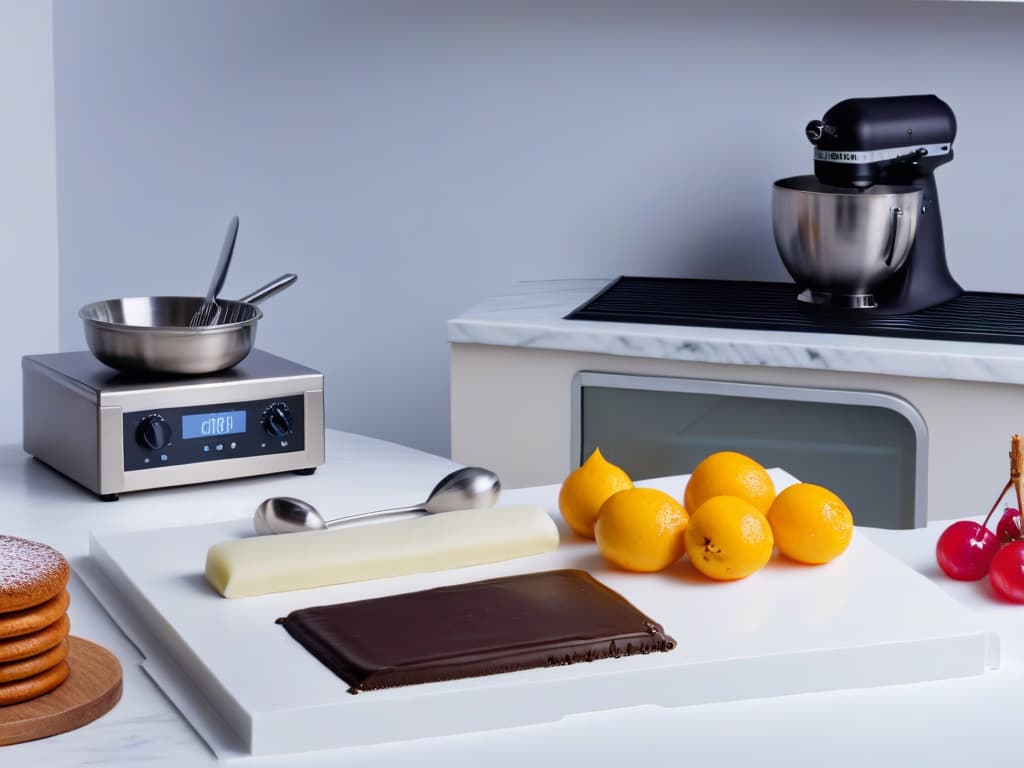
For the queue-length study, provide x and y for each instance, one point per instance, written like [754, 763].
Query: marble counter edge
[530, 315]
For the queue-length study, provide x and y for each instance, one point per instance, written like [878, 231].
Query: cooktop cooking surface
[85, 370]
[973, 316]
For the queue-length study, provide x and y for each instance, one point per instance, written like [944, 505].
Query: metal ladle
[466, 488]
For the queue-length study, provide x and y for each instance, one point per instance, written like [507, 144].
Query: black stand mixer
[862, 239]
[857, 234]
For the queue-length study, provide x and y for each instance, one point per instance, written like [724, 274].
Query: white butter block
[265, 564]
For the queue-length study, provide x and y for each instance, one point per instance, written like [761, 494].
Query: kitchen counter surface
[530, 315]
[951, 722]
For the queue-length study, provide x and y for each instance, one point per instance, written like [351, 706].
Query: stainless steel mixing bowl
[840, 244]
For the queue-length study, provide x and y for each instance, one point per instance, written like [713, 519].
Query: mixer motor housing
[898, 140]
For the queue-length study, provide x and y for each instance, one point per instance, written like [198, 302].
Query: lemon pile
[729, 524]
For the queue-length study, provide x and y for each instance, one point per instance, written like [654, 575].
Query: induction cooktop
[974, 316]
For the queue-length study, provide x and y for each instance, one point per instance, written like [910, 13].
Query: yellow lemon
[729, 474]
[728, 538]
[586, 489]
[641, 529]
[811, 524]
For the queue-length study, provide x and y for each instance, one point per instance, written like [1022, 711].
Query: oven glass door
[868, 447]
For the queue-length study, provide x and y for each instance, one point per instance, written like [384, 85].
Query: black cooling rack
[973, 316]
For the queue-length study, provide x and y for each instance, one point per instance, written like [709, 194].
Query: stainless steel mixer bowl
[840, 244]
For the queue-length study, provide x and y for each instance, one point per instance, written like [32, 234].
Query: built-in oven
[871, 448]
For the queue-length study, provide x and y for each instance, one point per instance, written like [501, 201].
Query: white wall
[408, 158]
[28, 197]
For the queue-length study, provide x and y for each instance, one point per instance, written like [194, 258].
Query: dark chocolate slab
[544, 619]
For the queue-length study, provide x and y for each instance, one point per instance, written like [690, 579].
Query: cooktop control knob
[153, 433]
[277, 420]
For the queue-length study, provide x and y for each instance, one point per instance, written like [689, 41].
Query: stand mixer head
[891, 140]
[865, 231]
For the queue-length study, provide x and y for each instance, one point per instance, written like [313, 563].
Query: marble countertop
[530, 315]
[950, 722]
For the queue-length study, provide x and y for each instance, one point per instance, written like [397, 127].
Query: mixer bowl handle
[894, 225]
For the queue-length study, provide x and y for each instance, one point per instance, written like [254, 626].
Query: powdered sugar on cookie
[29, 570]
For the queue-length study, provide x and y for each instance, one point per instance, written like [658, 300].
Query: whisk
[209, 311]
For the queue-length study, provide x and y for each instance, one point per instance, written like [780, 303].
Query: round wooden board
[91, 690]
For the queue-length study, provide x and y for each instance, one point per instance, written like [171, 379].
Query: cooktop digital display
[212, 424]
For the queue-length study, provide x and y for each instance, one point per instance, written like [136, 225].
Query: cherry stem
[1016, 467]
[1001, 494]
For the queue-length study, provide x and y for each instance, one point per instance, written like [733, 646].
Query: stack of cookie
[33, 619]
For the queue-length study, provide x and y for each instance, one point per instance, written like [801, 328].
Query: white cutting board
[864, 620]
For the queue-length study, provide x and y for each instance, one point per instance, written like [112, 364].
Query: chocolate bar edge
[323, 653]
[654, 641]
[538, 658]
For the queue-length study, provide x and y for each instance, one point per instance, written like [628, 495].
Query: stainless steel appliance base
[117, 496]
[114, 433]
[838, 300]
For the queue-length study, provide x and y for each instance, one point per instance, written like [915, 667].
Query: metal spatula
[209, 312]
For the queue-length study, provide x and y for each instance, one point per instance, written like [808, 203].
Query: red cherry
[1009, 526]
[965, 549]
[1006, 572]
